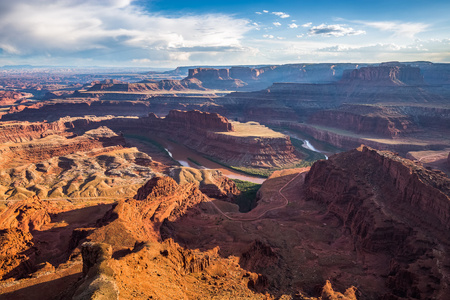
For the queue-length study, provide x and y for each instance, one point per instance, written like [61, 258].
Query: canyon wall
[197, 120]
[348, 142]
[162, 85]
[393, 207]
[385, 74]
[215, 78]
[18, 132]
[372, 120]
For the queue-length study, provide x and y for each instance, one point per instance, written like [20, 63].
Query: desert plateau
[231, 150]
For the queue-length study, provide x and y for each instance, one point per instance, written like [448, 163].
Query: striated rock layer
[374, 120]
[39, 149]
[386, 74]
[163, 85]
[197, 120]
[26, 131]
[395, 209]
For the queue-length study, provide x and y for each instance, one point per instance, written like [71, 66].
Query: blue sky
[175, 33]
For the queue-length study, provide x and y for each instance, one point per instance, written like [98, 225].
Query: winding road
[286, 202]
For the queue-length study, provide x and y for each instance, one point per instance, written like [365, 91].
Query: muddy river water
[186, 157]
[189, 158]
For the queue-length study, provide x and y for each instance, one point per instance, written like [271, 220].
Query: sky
[167, 34]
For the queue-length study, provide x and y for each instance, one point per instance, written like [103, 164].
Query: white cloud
[407, 29]
[280, 38]
[265, 11]
[300, 35]
[258, 12]
[336, 30]
[306, 25]
[293, 25]
[276, 24]
[109, 29]
[268, 36]
[281, 14]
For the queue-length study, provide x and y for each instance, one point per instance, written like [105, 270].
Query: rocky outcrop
[329, 294]
[12, 97]
[373, 120]
[168, 271]
[56, 145]
[387, 74]
[210, 182]
[17, 222]
[98, 282]
[18, 132]
[198, 121]
[163, 85]
[393, 207]
[215, 78]
[139, 219]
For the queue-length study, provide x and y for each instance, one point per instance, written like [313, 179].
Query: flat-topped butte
[252, 129]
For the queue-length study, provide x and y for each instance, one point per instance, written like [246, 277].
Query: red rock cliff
[26, 131]
[159, 199]
[16, 225]
[196, 119]
[385, 74]
[215, 78]
[392, 207]
[380, 121]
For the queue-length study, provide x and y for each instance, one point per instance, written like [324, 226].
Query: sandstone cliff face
[385, 74]
[163, 85]
[98, 282]
[215, 78]
[392, 207]
[55, 145]
[247, 151]
[18, 132]
[247, 78]
[197, 120]
[373, 120]
[348, 142]
[16, 223]
[159, 199]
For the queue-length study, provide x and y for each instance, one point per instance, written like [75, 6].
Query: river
[188, 158]
[310, 145]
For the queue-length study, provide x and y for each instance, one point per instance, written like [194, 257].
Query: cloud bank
[115, 28]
